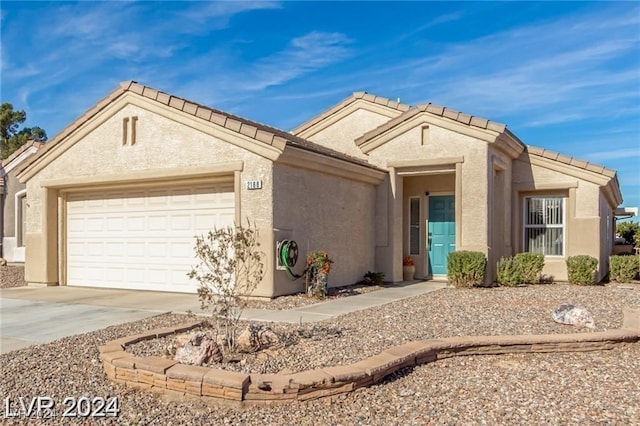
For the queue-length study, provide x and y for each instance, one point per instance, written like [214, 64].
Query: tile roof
[572, 161]
[434, 109]
[379, 100]
[258, 131]
[23, 148]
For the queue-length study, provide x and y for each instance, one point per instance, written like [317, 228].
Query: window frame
[20, 218]
[412, 226]
[526, 225]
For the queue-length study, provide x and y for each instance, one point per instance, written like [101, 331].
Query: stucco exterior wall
[444, 144]
[583, 206]
[161, 144]
[342, 134]
[607, 234]
[328, 213]
[13, 186]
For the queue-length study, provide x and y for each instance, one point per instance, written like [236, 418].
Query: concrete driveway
[32, 315]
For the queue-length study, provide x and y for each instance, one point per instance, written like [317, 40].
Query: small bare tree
[231, 267]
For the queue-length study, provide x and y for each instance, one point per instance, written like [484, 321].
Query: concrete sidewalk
[32, 315]
[344, 305]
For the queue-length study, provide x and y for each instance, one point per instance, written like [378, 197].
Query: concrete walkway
[32, 315]
[344, 305]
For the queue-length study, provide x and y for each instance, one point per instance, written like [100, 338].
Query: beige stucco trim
[301, 158]
[612, 193]
[352, 107]
[509, 144]
[428, 162]
[569, 170]
[260, 148]
[62, 238]
[536, 186]
[237, 190]
[421, 119]
[146, 177]
[43, 263]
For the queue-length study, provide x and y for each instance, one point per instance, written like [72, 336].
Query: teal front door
[442, 232]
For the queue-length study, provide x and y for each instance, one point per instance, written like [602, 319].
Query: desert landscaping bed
[568, 388]
[12, 276]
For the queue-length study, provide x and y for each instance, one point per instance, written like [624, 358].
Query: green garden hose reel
[288, 257]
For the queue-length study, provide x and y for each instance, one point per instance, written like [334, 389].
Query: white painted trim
[19, 159]
[11, 252]
[420, 207]
[564, 223]
[18, 214]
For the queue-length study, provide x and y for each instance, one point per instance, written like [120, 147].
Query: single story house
[116, 198]
[13, 203]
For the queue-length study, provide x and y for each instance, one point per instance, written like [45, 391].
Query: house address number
[254, 184]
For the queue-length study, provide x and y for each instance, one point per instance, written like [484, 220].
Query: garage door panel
[182, 251]
[180, 222]
[141, 239]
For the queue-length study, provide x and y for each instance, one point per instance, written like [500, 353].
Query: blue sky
[562, 75]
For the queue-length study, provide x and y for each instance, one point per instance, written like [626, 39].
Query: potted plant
[317, 276]
[408, 269]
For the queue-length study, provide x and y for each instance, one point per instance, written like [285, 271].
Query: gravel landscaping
[571, 388]
[12, 276]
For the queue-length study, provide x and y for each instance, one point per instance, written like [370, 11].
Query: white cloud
[217, 14]
[547, 72]
[303, 55]
[613, 154]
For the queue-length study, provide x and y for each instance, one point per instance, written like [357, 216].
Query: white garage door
[141, 239]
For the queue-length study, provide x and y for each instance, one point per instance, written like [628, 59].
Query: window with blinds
[414, 226]
[544, 225]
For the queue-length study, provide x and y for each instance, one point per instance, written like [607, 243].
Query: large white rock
[573, 315]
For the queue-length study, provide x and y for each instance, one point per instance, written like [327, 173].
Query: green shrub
[630, 231]
[582, 269]
[623, 269]
[508, 272]
[530, 266]
[466, 268]
[373, 278]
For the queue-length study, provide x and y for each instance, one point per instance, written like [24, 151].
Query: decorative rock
[406, 392]
[256, 337]
[197, 348]
[573, 315]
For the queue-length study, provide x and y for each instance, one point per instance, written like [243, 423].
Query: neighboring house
[116, 198]
[13, 203]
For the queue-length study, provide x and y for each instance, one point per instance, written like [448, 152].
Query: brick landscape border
[170, 378]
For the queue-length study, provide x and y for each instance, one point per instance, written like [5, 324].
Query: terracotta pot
[408, 272]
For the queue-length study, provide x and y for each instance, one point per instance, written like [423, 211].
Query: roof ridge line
[358, 95]
[438, 110]
[253, 129]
